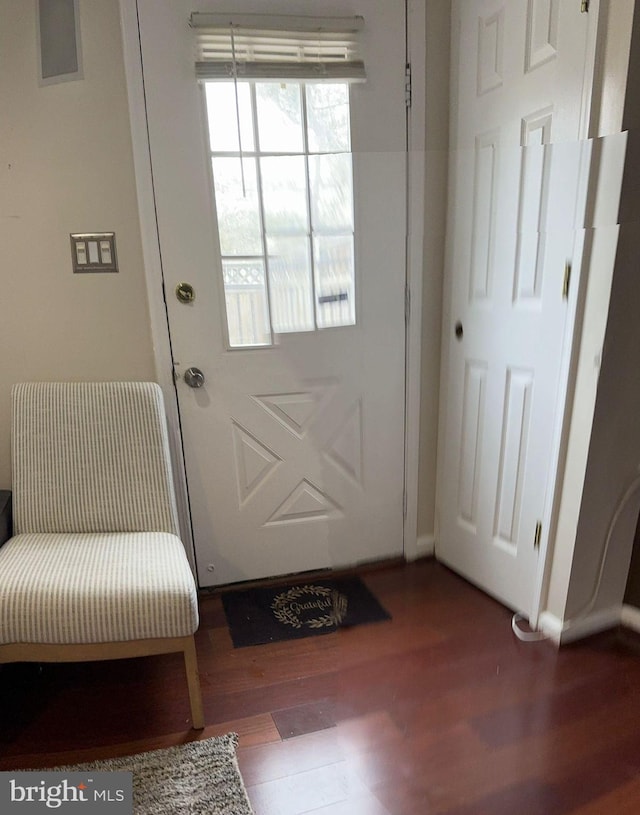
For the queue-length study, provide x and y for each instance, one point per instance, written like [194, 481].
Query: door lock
[185, 293]
[194, 377]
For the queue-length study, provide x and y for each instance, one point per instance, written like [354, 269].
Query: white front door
[294, 444]
[517, 120]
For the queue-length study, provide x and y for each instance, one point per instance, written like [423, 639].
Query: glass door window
[283, 185]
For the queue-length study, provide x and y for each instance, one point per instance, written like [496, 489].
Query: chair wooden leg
[193, 681]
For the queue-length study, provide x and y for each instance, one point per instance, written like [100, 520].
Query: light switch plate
[94, 252]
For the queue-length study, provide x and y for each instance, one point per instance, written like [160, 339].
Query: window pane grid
[302, 203]
[265, 255]
[305, 132]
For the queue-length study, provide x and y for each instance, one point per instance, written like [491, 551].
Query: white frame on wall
[62, 77]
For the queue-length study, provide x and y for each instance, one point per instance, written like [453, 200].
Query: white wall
[614, 454]
[66, 166]
[603, 450]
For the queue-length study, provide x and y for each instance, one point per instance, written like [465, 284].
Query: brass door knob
[194, 377]
[185, 293]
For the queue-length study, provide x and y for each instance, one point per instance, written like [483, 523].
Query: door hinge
[584, 6]
[407, 84]
[407, 304]
[404, 504]
[537, 536]
[566, 282]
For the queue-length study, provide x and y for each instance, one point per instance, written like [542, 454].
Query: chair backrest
[91, 457]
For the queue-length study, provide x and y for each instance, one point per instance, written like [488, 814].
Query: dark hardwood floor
[440, 710]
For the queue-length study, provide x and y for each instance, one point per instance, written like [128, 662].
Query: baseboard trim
[425, 546]
[630, 618]
[562, 633]
[551, 626]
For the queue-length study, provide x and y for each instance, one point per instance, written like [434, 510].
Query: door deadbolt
[194, 377]
[185, 293]
[459, 330]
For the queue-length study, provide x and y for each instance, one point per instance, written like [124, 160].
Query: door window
[283, 186]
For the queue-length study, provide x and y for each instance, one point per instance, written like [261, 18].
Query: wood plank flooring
[440, 710]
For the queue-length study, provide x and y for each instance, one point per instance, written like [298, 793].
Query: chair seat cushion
[95, 587]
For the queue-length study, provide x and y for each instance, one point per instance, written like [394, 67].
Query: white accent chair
[95, 568]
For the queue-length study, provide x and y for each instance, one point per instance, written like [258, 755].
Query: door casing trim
[415, 12]
[152, 260]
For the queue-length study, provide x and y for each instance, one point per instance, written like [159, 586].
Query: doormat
[262, 615]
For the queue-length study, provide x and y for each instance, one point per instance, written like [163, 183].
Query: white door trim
[155, 283]
[152, 260]
[571, 340]
[416, 129]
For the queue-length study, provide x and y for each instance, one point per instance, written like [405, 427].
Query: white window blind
[278, 47]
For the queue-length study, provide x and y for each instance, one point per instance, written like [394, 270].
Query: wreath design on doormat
[289, 606]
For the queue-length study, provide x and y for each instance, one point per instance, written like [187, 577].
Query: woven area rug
[268, 614]
[198, 777]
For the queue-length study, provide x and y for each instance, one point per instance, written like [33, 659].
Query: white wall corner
[562, 632]
[425, 547]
